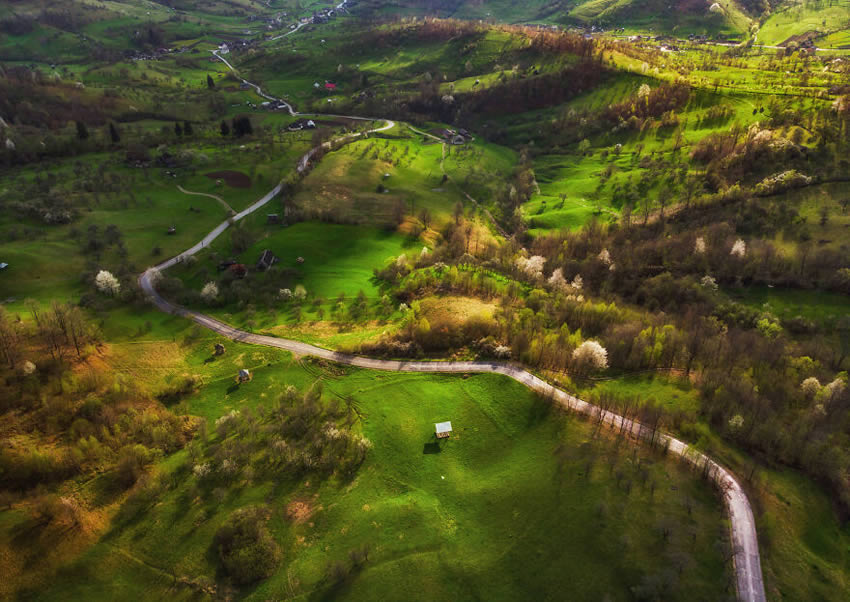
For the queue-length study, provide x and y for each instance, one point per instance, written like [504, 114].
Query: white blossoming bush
[590, 356]
[605, 257]
[739, 249]
[810, 387]
[228, 467]
[300, 292]
[709, 282]
[284, 294]
[107, 283]
[834, 389]
[736, 422]
[557, 280]
[502, 352]
[699, 246]
[210, 292]
[577, 282]
[201, 470]
[532, 266]
[644, 91]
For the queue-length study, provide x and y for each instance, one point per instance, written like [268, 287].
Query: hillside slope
[732, 18]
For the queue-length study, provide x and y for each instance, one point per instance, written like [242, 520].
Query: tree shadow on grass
[540, 409]
[432, 447]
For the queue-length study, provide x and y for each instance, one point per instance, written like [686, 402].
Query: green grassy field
[797, 17]
[337, 258]
[821, 307]
[492, 514]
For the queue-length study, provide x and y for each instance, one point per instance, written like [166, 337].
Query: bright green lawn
[488, 517]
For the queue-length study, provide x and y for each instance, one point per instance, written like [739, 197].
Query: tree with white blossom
[739, 249]
[810, 387]
[532, 266]
[557, 280]
[577, 282]
[107, 283]
[699, 246]
[590, 356]
[210, 292]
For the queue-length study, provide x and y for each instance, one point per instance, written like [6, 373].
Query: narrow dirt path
[748, 574]
[212, 196]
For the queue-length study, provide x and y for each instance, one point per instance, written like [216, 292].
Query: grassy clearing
[821, 307]
[797, 17]
[365, 181]
[337, 258]
[490, 515]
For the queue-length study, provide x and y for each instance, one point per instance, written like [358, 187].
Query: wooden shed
[443, 430]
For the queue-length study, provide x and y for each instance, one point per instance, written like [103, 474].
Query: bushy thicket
[92, 422]
[245, 547]
[299, 434]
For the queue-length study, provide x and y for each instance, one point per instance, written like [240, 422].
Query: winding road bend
[748, 574]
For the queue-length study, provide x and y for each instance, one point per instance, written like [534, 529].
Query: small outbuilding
[172, 230]
[272, 218]
[219, 349]
[267, 259]
[443, 430]
[3, 265]
[243, 376]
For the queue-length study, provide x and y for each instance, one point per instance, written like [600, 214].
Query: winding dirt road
[750, 585]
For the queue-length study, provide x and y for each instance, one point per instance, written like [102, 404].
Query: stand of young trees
[91, 424]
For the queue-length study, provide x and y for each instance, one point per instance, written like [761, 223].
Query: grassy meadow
[519, 500]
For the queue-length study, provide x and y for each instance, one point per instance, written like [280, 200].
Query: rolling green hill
[731, 19]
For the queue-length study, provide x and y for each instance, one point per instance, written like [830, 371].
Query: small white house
[443, 429]
[244, 376]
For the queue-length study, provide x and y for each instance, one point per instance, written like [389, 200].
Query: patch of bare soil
[299, 511]
[234, 179]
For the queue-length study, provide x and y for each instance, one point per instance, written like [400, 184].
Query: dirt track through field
[212, 196]
[748, 574]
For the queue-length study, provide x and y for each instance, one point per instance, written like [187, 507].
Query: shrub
[590, 356]
[246, 549]
[210, 292]
[107, 283]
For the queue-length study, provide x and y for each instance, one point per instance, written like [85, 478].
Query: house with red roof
[330, 86]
